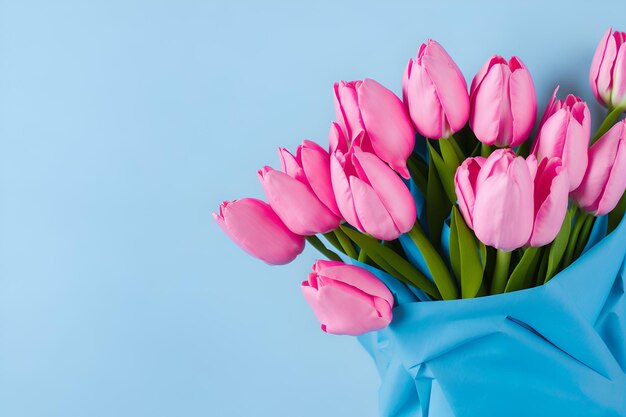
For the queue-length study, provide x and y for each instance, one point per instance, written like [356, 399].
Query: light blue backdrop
[123, 124]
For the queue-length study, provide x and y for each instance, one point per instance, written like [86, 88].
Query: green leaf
[579, 221]
[452, 154]
[523, 149]
[523, 276]
[455, 255]
[617, 214]
[332, 239]
[457, 148]
[446, 175]
[419, 172]
[558, 246]
[483, 255]
[346, 244]
[437, 267]
[437, 206]
[471, 264]
[385, 256]
[543, 267]
[607, 123]
[583, 236]
[317, 244]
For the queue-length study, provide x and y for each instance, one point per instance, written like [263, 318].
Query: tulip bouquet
[483, 271]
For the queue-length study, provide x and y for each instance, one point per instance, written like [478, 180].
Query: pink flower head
[503, 102]
[435, 92]
[347, 299]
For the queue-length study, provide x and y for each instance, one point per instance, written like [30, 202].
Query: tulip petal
[372, 214]
[523, 102]
[597, 62]
[347, 109]
[291, 165]
[316, 166]
[605, 74]
[296, 205]
[616, 184]
[465, 187]
[602, 166]
[425, 108]
[336, 139]
[393, 193]
[354, 276]
[388, 125]
[488, 98]
[551, 199]
[342, 191]
[618, 92]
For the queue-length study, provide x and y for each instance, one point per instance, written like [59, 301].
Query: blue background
[123, 124]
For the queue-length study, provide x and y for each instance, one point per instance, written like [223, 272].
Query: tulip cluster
[475, 210]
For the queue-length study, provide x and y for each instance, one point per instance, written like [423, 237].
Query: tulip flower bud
[370, 196]
[510, 202]
[302, 195]
[502, 216]
[255, 228]
[374, 119]
[605, 180]
[503, 102]
[347, 299]
[608, 70]
[435, 92]
[564, 132]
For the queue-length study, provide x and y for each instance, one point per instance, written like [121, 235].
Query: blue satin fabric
[554, 350]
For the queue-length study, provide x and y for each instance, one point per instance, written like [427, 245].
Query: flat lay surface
[122, 127]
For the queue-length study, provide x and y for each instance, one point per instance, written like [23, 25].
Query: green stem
[573, 237]
[583, 237]
[457, 149]
[524, 149]
[317, 244]
[332, 239]
[363, 256]
[607, 123]
[501, 272]
[485, 150]
[446, 284]
[346, 244]
[417, 172]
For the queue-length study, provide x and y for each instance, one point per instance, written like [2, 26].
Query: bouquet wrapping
[554, 350]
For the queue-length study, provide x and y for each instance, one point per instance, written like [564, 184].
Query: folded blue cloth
[554, 350]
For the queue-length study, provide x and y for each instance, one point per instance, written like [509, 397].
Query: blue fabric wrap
[554, 350]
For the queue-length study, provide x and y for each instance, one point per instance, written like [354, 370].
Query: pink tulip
[510, 202]
[564, 132]
[302, 195]
[605, 179]
[370, 195]
[551, 190]
[255, 228]
[374, 119]
[503, 102]
[608, 70]
[347, 299]
[435, 92]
